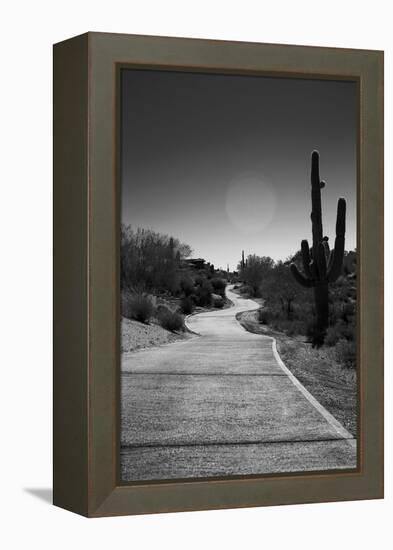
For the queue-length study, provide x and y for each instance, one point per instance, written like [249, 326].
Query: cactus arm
[300, 278]
[337, 262]
[339, 243]
[325, 243]
[313, 270]
[330, 262]
[316, 210]
[306, 259]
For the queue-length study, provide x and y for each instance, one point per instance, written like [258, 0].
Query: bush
[194, 299]
[218, 301]
[339, 331]
[137, 306]
[199, 280]
[345, 352]
[295, 327]
[160, 308]
[247, 289]
[347, 311]
[264, 316]
[187, 305]
[187, 286]
[204, 294]
[332, 335]
[150, 260]
[170, 320]
[219, 286]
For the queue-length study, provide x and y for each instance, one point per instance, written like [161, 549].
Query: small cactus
[321, 266]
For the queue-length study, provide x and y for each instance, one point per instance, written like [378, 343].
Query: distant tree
[150, 260]
[255, 270]
[281, 288]
[219, 286]
[184, 249]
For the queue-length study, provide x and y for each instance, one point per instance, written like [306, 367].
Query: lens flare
[250, 203]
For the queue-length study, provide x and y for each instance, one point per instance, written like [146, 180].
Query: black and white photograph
[238, 275]
[197, 245]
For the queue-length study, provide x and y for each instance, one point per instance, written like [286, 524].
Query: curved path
[222, 403]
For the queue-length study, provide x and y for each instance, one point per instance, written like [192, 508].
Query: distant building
[196, 263]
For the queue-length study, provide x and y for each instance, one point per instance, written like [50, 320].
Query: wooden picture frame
[86, 268]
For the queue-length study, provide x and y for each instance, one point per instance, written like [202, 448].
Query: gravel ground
[135, 335]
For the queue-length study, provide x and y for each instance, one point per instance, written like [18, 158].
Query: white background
[28, 29]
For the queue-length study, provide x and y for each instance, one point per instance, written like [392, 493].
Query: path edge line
[343, 432]
[186, 323]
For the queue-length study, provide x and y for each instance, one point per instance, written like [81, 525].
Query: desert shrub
[291, 327]
[187, 286]
[218, 301]
[194, 298]
[204, 294]
[172, 284]
[332, 335]
[342, 310]
[296, 326]
[339, 331]
[219, 286]
[199, 280]
[170, 320]
[347, 311]
[247, 289]
[345, 352]
[137, 306]
[264, 316]
[159, 309]
[149, 261]
[187, 305]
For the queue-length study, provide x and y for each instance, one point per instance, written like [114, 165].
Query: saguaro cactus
[321, 266]
[243, 263]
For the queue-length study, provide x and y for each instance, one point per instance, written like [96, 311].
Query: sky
[222, 162]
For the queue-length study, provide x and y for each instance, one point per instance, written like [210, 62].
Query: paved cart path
[222, 403]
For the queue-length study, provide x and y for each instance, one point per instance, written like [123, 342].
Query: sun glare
[250, 203]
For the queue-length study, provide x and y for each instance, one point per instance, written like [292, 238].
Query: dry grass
[330, 382]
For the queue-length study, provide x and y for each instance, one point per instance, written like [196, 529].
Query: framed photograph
[218, 274]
